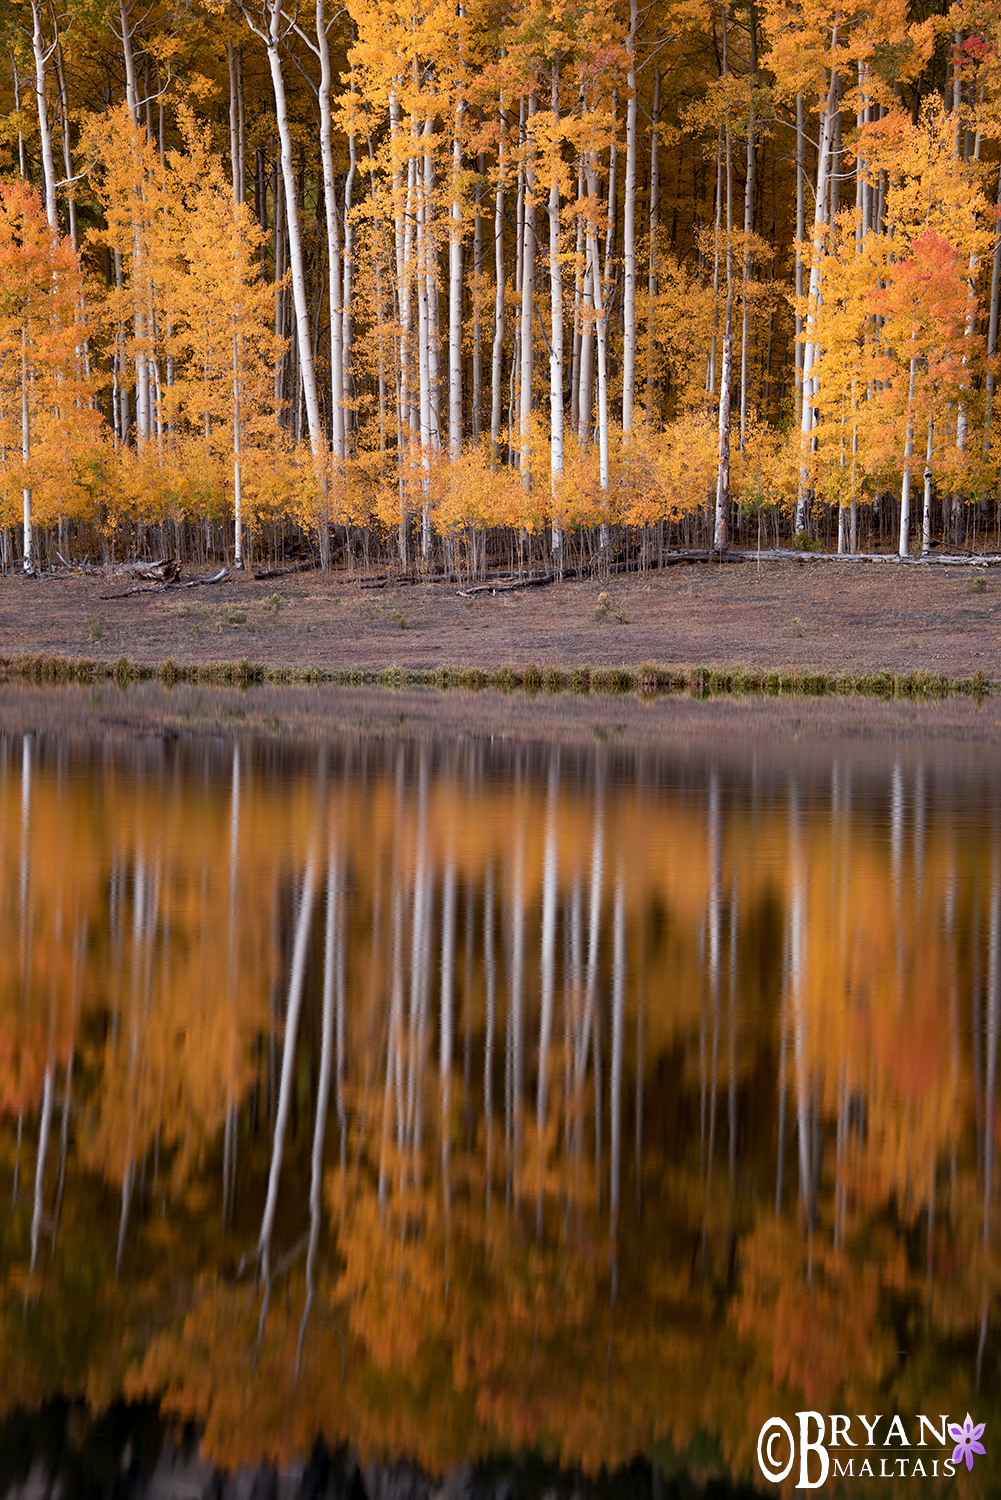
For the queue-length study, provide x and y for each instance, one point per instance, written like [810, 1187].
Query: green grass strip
[648, 681]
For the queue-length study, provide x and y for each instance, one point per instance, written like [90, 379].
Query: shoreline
[646, 681]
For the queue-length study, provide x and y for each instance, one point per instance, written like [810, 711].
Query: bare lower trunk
[905, 488]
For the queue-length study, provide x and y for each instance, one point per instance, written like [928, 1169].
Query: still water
[448, 1100]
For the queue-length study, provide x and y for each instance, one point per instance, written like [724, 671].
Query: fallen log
[299, 567]
[934, 559]
[536, 581]
[128, 593]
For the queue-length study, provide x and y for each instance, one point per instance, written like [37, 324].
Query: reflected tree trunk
[322, 1098]
[285, 1086]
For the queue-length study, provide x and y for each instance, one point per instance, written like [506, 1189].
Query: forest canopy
[454, 284]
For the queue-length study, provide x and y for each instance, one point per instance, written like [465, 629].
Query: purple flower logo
[967, 1440]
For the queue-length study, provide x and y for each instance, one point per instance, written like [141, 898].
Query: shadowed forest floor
[786, 613]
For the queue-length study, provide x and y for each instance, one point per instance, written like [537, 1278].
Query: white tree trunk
[455, 295]
[346, 300]
[527, 301]
[652, 259]
[629, 237]
[307, 375]
[808, 417]
[497, 352]
[288, 1073]
[423, 357]
[926, 518]
[748, 231]
[556, 342]
[431, 267]
[905, 488]
[333, 255]
[992, 328]
[600, 339]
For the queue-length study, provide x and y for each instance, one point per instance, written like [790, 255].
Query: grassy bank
[645, 681]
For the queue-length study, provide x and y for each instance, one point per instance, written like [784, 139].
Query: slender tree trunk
[128, 57]
[477, 412]
[431, 263]
[905, 488]
[600, 329]
[629, 236]
[333, 933]
[293, 1008]
[307, 375]
[721, 528]
[44, 1132]
[317, 440]
[800, 237]
[654, 226]
[455, 295]
[347, 303]
[579, 277]
[42, 54]
[528, 300]
[748, 227]
[67, 150]
[711, 368]
[926, 519]
[497, 352]
[234, 115]
[27, 535]
[809, 416]
[401, 233]
[556, 345]
[22, 164]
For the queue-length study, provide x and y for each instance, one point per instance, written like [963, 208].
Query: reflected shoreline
[105, 711]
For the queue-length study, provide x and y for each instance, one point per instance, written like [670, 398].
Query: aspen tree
[720, 526]
[748, 221]
[497, 350]
[268, 27]
[629, 236]
[42, 53]
[821, 212]
[654, 217]
[527, 296]
[556, 318]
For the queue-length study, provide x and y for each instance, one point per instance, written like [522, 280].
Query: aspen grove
[446, 287]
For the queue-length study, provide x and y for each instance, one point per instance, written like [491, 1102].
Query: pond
[376, 1110]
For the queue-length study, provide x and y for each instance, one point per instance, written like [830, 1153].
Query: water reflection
[447, 1100]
